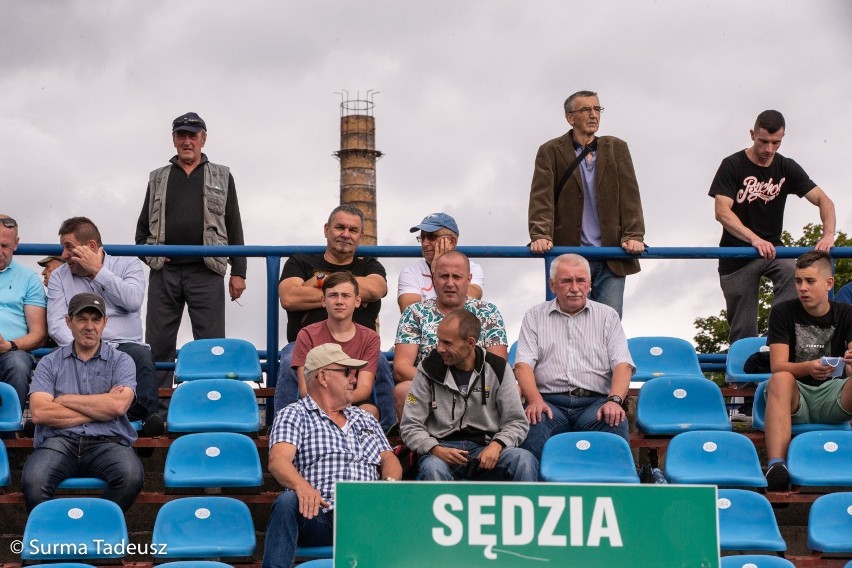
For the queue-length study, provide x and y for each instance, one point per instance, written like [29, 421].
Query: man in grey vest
[189, 202]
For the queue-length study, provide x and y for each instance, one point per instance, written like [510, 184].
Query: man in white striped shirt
[572, 362]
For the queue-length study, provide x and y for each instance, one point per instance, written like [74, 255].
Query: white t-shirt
[417, 279]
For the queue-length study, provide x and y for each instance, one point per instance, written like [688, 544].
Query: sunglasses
[345, 370]
[8, 222]
[187, 122]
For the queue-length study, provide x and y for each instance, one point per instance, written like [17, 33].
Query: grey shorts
[821, 404]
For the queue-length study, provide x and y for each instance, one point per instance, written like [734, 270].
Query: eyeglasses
[430, 237]
[345, 370]
[8, 222]
[188, 122]
[587, 110]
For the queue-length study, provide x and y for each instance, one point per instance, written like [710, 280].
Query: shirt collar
[554, 307]
[69, 351]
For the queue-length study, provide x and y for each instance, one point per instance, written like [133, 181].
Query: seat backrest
[663, 356]
[5, 473]
[759, 416]
[738, 353]
[821, 459]
[671, 405]
[10, 410]
[830, 523]
[747, 522]
[214, 405]
[755, 561]
[721, 458]
[513, 352]
[594, 457]
[216, 459]
[318, 563]
[204, 527]
[75, 528]
[221, 358]
[194, 564]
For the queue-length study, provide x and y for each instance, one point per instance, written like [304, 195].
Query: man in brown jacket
[599, 203]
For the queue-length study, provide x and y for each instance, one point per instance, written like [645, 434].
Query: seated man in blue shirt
[120, 281]
[79, 396]
[316, 441]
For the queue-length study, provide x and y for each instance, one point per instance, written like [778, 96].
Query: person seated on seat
[416, 333]
[120, 281]
[572, 362]
[314, 442]
[340, 299]
[48, 265]
[300, 292]
[439, 233]
[79, 398]
[463, 414]
[804, 387]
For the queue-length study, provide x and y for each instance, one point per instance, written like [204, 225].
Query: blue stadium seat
[324, 553]
[747, 522]
[755, 561]
[830, 523]
[193, 564]
[92, 483]
[662, 357]
[715, 457]
[223, 358]
[759, 416]
[320, 563]
[821, 459]
[513, 351]
[61, 565]
[10, 410]
[213, 405]
[5, 474]
[204, 527]
[672, 405]
[67, 529]
[739, 351]
[216, 459]
[593, 457]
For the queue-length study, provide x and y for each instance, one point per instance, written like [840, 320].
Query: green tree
[712, 331]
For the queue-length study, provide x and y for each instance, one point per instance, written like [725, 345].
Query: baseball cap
[86, 300]
[46, 260]
[190, 122]
[328, 354]
[435, 221]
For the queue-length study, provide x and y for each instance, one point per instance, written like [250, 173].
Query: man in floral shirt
[416, 335]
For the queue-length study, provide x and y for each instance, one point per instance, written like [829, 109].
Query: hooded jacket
[435, 409]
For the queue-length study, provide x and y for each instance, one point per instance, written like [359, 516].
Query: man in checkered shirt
[315, 442]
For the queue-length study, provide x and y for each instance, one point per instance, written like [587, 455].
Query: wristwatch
[616, 399]
[320, 279]
[14, 346]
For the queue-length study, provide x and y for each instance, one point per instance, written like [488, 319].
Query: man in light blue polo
[79, 399]
[23, 325]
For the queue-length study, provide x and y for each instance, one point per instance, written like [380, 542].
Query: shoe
[29, 429]
[392, 431]
[777, 477]
[153, 426]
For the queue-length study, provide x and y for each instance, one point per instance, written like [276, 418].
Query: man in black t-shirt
[750, 190]
[300, 292]
[810, 352]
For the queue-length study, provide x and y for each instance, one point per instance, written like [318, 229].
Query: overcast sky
[468, 91]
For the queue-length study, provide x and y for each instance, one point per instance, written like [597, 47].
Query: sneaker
[392, 431]
[777, 477]
[153, 426]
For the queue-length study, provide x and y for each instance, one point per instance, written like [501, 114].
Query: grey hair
[570, 100]
[349, 209]
[574, 259]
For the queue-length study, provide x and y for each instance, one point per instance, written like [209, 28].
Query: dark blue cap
[189, 122]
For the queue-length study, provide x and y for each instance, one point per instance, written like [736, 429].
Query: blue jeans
[287, 387]
[287, 529]
[607, 288]
[16, 368]
[147, 384]
[570, 414]
[514, 464]
[61, 457]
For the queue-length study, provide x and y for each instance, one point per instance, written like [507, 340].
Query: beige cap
[329, 354]
[46, 260]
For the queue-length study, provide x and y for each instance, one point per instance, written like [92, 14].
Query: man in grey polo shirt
[572, 362]
[79, 398]
[120, 281]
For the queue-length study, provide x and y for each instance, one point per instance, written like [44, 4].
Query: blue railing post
[548, 260]
[272, 265]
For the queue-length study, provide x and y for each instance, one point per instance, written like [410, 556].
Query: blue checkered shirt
[324, 453]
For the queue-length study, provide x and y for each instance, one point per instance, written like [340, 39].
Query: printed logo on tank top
[813, 342]
[753, 189]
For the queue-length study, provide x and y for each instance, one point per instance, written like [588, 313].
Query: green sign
[516, 525]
